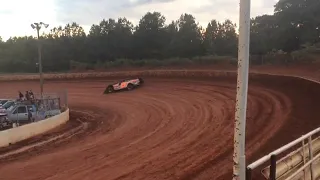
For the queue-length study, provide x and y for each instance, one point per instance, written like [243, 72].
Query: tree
[110, 39]
[171, 32]
[227, 39]
[264, 34]
[210, 37]
[188, 40]
[299, 21]
[149, 37]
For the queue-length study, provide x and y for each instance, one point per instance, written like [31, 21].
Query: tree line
[294, 24]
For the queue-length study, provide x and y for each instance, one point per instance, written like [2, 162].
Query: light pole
[239, 158]
[38, 26]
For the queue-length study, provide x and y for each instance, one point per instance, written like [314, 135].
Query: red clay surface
[167, 129]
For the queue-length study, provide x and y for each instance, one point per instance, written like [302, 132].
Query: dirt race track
[170, 128]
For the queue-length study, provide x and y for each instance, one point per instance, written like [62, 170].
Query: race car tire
[130, 87]
[141, 81]
[109, 90]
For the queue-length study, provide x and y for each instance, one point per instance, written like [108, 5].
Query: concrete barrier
[15, 135]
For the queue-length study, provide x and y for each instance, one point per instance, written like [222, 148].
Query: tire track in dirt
[167, 129]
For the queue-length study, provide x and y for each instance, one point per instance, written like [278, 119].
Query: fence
[50, 104]
[53, 100]
[302, 162]
[60, 95]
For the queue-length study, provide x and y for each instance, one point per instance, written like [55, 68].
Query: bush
[170, 62]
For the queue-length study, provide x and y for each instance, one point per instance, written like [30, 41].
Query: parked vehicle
[8, 104]
[4, 121]
[2, 101]
[2, 110]
[21, 113]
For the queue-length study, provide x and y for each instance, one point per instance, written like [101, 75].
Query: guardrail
[292, 165]
[20, 133]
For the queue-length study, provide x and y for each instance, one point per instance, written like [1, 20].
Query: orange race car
[127, 84]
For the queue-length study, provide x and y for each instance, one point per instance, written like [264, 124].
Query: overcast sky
[17, 15]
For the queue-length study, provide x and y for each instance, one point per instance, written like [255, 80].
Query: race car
[127, 84]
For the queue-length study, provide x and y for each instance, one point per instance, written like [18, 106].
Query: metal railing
[62, 95]
[289, 164]
[50, 104]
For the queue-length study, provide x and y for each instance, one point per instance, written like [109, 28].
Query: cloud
[141, 2]
[5, 12]
[17, 15]
[88, 12]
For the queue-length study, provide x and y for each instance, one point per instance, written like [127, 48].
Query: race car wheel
[141, 81]
[130, 87]
[109, 89]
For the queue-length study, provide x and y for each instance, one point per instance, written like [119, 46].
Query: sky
[16, 16]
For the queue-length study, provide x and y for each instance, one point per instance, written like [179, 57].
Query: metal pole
[248, 174]
[273, 167]
[40, 63]
[310, 157]
[304, 158]
[66, 96]
[239, 164]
